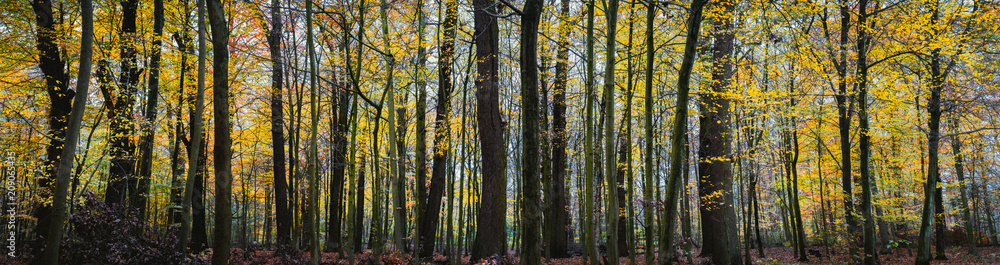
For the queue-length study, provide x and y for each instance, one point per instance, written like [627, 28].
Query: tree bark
[557, 195]
[531, 211]
[719, 229]
[432, 212]
[60, 98]
[122, 182]
[195, 154]
[282, 213]
[491, 230]
[223, 142]
[65, 168]
[678, 130]
[147, 130]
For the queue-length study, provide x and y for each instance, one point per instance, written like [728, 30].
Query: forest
[500, 132]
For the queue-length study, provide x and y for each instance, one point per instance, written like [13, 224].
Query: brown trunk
[491, 231]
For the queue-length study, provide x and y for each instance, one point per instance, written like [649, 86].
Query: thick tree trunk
[845, 107]
[932, 205]
[718, 217]
[531, 212]
[60, 97]
[559, 217]
[491, 231]
[864, 40]
[122, 182]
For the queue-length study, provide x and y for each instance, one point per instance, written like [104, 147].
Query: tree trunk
[65, 168]
[613, 212]
[647, 189]
[531, 211]
[678, 130]
[147, 130]
[956, 150]
[432, 212]
[223, 142]
[491, 230]
[195, 154]
[932, 204]
[421, 131]
[588, 146]
[61, 97]
[559, 217]
[845, 107]
[719, 229]
[121, 188]
[282, 213]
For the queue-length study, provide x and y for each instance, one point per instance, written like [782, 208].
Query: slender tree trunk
[432, 211]
[792, 158]
[282, 214]
[65, 168]
[956, 150]
[613, 212]
[223, 143]
[421, 132]
[490, 233]
[147, 130]
[678, 130]
[184, 47]
[647, 189]
[312, 206]
[589, 247]
[194, 151]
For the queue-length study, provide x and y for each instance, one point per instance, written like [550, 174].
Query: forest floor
[776, 255]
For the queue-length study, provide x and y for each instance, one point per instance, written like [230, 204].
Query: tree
[195, 151]
[531, 211]
[223, 142]
[60, 98]
[679, 129]
[147, 130]
[715, 173]
[432, 212]
[647, 169]
[490, 233]
[557, 217]
[611, 13]
[122, 182]
[282, 213]
[55, 231]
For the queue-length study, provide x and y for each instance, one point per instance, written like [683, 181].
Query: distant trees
[364, 180]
